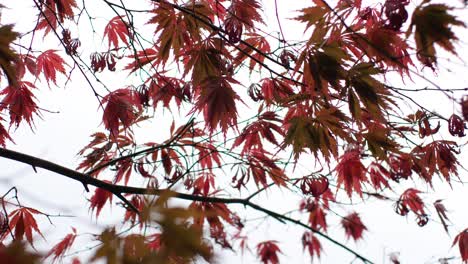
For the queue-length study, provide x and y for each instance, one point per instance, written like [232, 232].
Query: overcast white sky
[58, 137]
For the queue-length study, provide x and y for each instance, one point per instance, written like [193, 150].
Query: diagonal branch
[118, 190]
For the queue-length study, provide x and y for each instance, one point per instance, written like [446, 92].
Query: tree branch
[118, 190]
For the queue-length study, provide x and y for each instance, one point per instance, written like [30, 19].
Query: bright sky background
[58, 138]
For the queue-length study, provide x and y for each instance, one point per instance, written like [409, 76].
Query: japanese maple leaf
[411, 200]
[4, 135]
[7, 55]
[439, 32]
[254, 47]
[207, 155]
[378, 176]
[99, 199]
[55, 11]
[20, 103]
[22, 223]
[442, 213]
[353, 226]
[59, 250]
[263, 128]
[268, 251]
[117, 29]
[246, 11]
[312, 244]
[130, 215]
[49, 63]
[121, 108]
[217, 101]
[317, 216]
[462, 240]
[142, 58]
[203, 184]
[350, 172]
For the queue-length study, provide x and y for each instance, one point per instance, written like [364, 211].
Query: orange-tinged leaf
[49, 63]
[7, 55]
[178, 30]
[116, 31]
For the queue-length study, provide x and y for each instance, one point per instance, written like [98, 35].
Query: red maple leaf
[462, 240]
[378, 175]
[203, 184]
[22, 223]
[312, 244]
[117, 29]
[255, 48]
[353, 226]
[410, 200]
[351, 172]
[20, 103]
[130, 215]
[317, 215]
[263, 128]
[121, 107]
[99, 199]
[49, 63]
[442, 213]
[59, 250]
[4, 135]
[268, 252]
[141, 58]
[246, 11]
[54, 11]
[207, 154]
[217, 101]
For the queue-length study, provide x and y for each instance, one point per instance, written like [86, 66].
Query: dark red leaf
[456, 126]
[312, 244]
[353, 226]
[268, 251]
[22, 223]
[99, 199]
[462, 240]
[122, 107]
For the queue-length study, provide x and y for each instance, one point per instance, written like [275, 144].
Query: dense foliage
[240, 111]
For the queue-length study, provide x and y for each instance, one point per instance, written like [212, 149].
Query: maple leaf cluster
[249, 112]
